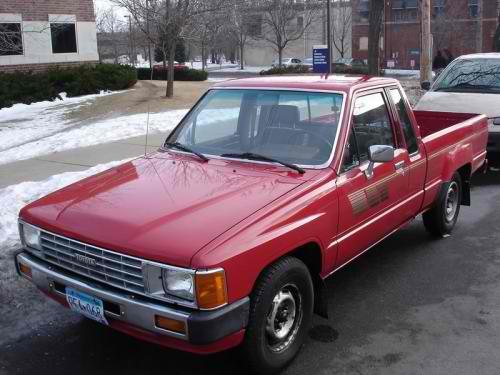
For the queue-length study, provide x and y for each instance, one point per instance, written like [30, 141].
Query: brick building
[461, 26]
[37, 34]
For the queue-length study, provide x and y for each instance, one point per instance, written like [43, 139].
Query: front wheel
[280, 315]
[441, 219]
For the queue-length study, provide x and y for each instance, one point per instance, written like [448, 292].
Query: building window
[63, 37]
[364, 10]
[474, 8]
[438, 8]
[11, 39]
[363, 43]
[254, 25]
[300, 23]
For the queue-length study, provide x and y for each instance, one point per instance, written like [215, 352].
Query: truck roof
[343, 83]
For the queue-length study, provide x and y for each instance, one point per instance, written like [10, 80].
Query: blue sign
[321, 59]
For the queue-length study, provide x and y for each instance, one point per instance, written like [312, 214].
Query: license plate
[87, 305]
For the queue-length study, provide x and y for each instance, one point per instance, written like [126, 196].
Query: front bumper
[206, 331]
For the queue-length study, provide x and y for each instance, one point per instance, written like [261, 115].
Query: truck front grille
[112, 268]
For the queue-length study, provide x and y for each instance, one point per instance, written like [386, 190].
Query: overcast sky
[99, 4]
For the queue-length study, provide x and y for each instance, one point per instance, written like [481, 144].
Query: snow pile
[15, 197]
[23, 123]
[101, 132]
[112, 130]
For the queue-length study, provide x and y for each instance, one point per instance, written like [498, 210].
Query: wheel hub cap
[284, 318]
[451, 201]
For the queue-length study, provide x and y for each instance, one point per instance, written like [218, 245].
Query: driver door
[368, 204]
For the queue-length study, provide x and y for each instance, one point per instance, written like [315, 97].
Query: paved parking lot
[412, 305]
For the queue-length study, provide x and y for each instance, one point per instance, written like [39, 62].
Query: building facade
[459, 26]
[38, 34]
[260, 52]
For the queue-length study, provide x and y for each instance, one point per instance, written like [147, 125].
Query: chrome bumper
[201, 327]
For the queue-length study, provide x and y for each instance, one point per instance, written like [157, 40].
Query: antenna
[147, 134]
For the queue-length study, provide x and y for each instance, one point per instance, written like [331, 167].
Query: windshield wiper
[181, 147]
[253, 156]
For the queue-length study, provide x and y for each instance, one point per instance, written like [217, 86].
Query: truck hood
[488, 104]
[163, 208]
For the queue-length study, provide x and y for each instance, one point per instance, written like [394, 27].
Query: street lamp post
[329, 34]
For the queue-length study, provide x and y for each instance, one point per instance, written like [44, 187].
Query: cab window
[404, 119]
[371, 123]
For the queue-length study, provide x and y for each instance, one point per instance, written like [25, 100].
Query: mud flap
[320, 298]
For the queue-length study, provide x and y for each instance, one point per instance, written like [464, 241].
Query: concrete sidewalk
[41, 168]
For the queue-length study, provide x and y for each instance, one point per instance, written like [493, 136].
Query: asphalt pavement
[411, 305]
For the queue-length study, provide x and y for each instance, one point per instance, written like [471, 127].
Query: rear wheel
[441, 219]
[280, 315]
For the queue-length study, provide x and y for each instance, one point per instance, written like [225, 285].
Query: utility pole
[329, 34]
[426, 53]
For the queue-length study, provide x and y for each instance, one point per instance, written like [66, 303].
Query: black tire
[265, 351]
[442, 217]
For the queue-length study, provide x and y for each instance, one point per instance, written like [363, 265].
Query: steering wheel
[315, 135]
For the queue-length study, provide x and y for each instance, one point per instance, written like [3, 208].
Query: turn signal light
[25, 270]
[170, 324]
[211, 289]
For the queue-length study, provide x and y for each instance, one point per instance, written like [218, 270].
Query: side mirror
[426, 85]
[378, 154]
[496, 121]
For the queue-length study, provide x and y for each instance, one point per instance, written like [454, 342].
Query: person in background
[439, 62]
[449, 56]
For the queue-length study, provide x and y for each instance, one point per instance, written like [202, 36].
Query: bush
[350, 70]
[292, 69]
[28, 87]
[184, 74]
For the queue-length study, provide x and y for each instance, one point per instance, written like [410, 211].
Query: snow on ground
[23, 123]
[100, 132]
[15, 197]
[210, 66]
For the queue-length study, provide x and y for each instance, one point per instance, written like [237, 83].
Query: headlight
[205, 289]
[31, 236]
[178, 283]
[494, 121]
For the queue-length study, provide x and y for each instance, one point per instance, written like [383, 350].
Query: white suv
[470, 84]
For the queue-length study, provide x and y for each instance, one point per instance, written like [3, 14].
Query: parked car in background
[309, 62]
[223, 237]
[288, 61]
[177, 66]
[470, 84]
[348, 65]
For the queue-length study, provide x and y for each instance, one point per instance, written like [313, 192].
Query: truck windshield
[290, 126]
[478, 75]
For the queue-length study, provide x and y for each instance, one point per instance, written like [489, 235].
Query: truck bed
[452, 141]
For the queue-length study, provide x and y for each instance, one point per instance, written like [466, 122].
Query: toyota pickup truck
[224, 236]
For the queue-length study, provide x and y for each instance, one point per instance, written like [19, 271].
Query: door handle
[400, 165]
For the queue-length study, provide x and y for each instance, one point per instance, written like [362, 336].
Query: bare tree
[342, 26]
[168, 21]
[241, 24]
[110, 30]
[375, 28]
[285, 21]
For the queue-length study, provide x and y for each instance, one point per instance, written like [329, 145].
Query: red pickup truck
[268, 186]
